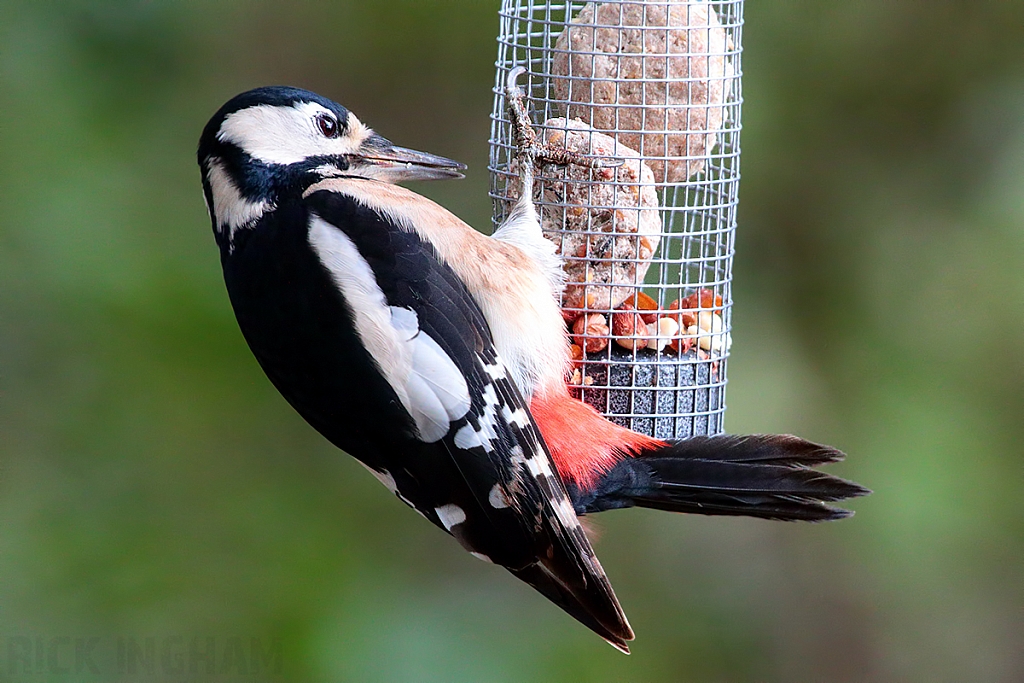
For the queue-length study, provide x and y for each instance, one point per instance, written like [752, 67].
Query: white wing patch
[450, 515]
[427, 381]
[497, 497]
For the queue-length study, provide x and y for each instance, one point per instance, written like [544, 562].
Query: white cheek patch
[287, 135]
[427, 382]
[231, 211]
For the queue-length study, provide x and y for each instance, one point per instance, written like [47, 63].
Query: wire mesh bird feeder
[647, 245]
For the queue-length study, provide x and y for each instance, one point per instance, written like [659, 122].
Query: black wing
[490, 480]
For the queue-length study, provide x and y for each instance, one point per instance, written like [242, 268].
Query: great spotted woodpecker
[437, 356]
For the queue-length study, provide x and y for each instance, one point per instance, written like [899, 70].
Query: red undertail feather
[582, 442]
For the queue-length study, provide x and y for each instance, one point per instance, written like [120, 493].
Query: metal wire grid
[658, 392]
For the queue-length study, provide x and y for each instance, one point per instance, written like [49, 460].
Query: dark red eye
[327, 125]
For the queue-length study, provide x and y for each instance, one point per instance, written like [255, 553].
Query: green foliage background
[153, 484]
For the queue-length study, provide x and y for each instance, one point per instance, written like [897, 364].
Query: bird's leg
[522, 226]
[528, 150]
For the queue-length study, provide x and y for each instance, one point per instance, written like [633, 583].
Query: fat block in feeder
[655, 73]
[604, 222]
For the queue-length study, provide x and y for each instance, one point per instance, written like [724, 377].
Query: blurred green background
[154, 488]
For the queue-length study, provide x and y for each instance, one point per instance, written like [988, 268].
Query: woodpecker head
[270, 143]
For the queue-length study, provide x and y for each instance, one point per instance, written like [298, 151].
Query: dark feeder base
[667, 396]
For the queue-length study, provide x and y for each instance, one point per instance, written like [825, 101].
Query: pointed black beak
[379, 159]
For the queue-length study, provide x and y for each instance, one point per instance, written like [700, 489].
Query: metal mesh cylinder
[648, 245]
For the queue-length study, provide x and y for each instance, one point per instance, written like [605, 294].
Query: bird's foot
[528, 149]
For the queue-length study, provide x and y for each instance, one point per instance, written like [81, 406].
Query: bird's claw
[523, 135]
[512, 88]
[525, 138]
